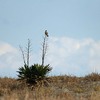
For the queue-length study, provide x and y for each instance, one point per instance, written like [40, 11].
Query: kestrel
[46, 33]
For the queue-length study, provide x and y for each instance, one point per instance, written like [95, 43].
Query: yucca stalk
[44, 47]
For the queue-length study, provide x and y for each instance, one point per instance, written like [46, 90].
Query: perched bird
[46, 33]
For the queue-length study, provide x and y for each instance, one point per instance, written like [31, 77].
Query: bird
[46, 33]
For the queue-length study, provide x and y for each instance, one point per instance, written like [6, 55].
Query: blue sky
[73, 27]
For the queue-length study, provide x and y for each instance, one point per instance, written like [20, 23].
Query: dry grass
[56, 88]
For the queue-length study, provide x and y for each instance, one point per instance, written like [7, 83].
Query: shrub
[93, 77]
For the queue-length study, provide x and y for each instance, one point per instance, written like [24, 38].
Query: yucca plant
[34, 73]
[24, 72]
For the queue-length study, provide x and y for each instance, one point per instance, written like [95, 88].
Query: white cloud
[66, 56]
[6, 48]
[73, 56]
[9, 60]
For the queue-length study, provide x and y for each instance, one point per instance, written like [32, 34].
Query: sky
[74, 35]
